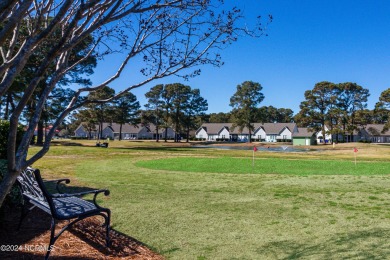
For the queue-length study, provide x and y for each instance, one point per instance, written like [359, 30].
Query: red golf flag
[254, 148]
[355, 150]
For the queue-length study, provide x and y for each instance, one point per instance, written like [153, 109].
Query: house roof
[376, 129]
[126, 128]
[81, 126]
[275, 128]
[303, 132]
[152, 128]
[214, 128]
[269, 128]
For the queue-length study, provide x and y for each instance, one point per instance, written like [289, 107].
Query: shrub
[14, 197]
[4, 130]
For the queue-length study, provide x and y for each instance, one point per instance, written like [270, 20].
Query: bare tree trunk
[6, 184]
[157, 134]
[166, 134]
[6, 112]
[40, 132]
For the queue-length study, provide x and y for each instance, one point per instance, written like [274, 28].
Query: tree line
[176, 106]
[342, 108]
[179, 107]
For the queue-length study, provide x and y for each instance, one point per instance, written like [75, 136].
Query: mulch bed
[85, 240]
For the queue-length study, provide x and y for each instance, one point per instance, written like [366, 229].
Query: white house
[374, 133]
[320, 138]
[129, 132]
[275, 132]
[259, 134]
[213, 132]
[269, 132]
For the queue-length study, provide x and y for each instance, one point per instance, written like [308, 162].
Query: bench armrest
[78, 194]
[58, 181]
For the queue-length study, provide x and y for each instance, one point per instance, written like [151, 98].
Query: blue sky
[308, 42]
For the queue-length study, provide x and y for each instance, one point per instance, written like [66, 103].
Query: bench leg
[23, 215]
[25, 211]
[107, 219]
[52, 238]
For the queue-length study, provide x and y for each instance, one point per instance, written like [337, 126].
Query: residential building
[304, 137]
[268, 132]
[373, 133]
[129, 132]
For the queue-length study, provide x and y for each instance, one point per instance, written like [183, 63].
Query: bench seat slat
[72, 207]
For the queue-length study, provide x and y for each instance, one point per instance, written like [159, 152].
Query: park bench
[61, 206]
[104, 145]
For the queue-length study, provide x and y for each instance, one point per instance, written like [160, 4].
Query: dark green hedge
[4, 130]
[14, 197]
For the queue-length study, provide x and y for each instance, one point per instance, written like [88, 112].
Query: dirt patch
[85, 240]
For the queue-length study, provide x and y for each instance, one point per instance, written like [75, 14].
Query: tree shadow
[157, 149]
[65, 143]
[364, 244]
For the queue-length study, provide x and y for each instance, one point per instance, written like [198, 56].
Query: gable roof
[275, 128]
[214, 128]
[303, 132]
[81, 126]
[134, 129]
[126, 128]
[269, 128]
[376, 129]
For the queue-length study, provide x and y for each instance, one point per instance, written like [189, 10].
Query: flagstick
[253, 158]
[355, 158]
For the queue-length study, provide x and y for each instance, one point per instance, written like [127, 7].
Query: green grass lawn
[266, 166]
[196, 204]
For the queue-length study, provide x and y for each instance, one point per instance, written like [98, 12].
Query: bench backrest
[32, 187]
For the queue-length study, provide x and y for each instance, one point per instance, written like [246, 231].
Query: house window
[284, 137]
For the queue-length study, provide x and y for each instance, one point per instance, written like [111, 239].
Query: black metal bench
[61, 206]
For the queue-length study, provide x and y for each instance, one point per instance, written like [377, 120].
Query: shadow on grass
[156, 149]
[366, 244]
[65, 143]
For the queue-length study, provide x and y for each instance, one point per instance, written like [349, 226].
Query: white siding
[107, 132]
[224, 134]
[285, 134]
[271, 138]
[212, 137]
[145, 134]
[202, 134]
[81, 132]
[259, 134]
[327, 136]
[171, 133]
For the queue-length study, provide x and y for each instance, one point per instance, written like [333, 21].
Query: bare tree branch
[170, 37]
